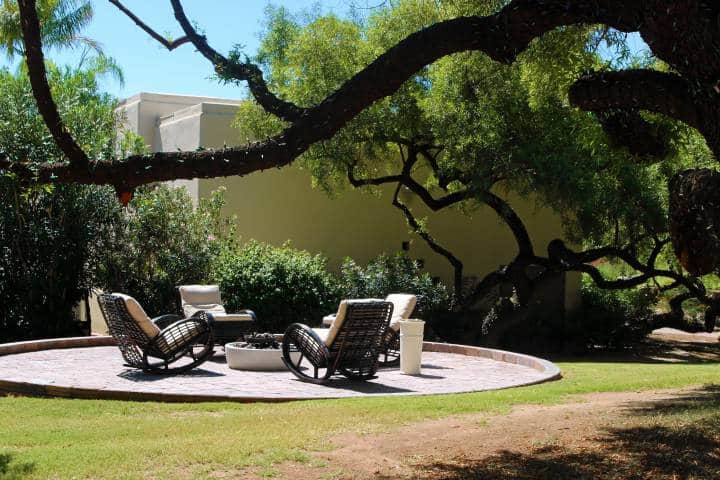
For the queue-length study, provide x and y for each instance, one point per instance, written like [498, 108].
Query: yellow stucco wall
[277, 205]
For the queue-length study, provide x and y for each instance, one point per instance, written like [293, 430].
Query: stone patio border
[549, 370]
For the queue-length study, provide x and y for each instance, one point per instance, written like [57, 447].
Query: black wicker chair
[178, 346]
[352, 346]
[390, 351]
[403, 308]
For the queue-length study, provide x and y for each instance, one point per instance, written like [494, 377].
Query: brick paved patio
[98, 372]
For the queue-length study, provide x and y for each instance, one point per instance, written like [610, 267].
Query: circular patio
[91, 367]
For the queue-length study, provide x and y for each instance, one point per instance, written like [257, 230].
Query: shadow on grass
[12, 470]
[704, 401]
[632, 453]
[652, 351]
[681, 441]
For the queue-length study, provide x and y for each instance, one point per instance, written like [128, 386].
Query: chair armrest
[186, 323]
[307, 341]
[165, 320]
[206, 316]
[251, 313]
[177, 334]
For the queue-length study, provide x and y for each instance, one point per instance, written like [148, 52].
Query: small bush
[610, 319]
[163, 242]
[397, 273]
[282, 285]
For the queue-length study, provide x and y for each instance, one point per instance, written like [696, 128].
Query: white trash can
[411, 341]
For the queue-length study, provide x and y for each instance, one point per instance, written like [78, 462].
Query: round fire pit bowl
[239, 357]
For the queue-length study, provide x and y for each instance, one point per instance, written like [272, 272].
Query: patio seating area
[91, 367]
[169, 358]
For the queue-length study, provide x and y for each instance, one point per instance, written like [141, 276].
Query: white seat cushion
[201, 297]
[337, 323]
[403, 307]
[214, 308]
[232, 317]
[322, 333]
[137, 313]
[328, 320]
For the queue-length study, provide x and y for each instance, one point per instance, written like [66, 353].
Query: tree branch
[660, 92]
[363, 182]
[431, 242]
[500, 206]
[627, 128]
[501, 36]
[157, 167]
[580, 261]
[170, 45]
[666, 93]
[247, 72]
[35, 61]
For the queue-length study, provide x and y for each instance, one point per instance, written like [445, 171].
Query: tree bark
[35, 61]
[685, 34]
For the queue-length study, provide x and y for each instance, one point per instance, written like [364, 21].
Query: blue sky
[149, 67]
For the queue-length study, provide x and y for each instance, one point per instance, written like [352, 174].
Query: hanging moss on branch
[695, 219]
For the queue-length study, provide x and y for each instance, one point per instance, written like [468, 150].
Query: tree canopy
[478, 120]
[62, 23]
[684, 35]
[467, 126]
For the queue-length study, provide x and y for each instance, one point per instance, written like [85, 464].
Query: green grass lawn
[58, 438]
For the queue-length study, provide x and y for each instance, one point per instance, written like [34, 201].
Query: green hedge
[160, 243]
[49, 237]
[397, 273]
[284, 285]
[281, 284]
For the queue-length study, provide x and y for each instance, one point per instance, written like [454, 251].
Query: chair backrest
[340, 315]
[197, 298]
[403, 307]
[360, 331]
[128, 323]
[134, 316]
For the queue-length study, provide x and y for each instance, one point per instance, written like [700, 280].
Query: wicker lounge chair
[227, 327]
[166, 344]
[351, 347]
[403, 308]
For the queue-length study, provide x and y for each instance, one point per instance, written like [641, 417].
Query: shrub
[610, 319]
[163, 242]
[397, 273]
[281, 284]
[47, 236]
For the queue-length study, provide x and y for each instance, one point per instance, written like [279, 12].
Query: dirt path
[469, 438]
[606, 435]
[452, 448]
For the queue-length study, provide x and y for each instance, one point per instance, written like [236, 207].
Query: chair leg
[359, 375]
[165, 368]
[390, 356]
